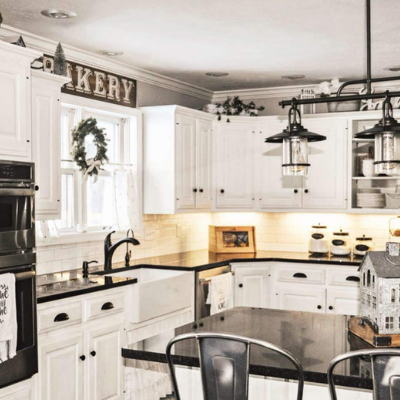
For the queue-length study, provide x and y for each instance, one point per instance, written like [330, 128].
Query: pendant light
[295, 139]
[387, 141]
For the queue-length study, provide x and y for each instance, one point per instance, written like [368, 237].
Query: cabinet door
[105, 363]
[300, 298]
[46, 125]
[203, 164]
[15, 127]
[251, 286]
[234, 166]
[273, 190]
[185, 162]
[325, 185]
[344, 301]
[61, 369]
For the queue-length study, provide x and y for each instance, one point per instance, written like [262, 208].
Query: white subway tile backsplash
[61, 254]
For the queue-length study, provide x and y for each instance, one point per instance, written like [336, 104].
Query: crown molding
[80, 56]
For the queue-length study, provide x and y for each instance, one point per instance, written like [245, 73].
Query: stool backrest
[224, 364]
[385, 372]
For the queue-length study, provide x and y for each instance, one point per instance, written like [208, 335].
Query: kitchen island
[313, 338]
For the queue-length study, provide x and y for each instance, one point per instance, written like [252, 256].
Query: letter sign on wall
[96, 84]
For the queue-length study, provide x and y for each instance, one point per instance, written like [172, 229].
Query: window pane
[65, 137]
[67, 202]
[100, 202]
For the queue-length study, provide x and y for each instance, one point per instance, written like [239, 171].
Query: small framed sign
[232, 239]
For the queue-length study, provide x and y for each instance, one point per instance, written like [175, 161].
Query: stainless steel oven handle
[20, 276]
[16, 192]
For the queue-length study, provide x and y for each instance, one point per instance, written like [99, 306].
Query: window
[389, 322]
[364, 279]
[369, 300]
[374, 301]
[373, 281]
[393, 297]
[88, 206]
[369, 278]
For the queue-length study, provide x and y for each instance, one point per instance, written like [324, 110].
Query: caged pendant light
[295, 139]
[387, 141]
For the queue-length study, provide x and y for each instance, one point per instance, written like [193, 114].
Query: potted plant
[326, 89]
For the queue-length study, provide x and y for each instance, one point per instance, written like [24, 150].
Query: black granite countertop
[313, 338]
[67, 284]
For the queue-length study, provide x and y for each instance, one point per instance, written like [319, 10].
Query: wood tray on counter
[363, 328]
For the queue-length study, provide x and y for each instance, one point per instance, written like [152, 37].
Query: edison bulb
[295, 156]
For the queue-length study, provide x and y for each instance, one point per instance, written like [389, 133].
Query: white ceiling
[256, 41]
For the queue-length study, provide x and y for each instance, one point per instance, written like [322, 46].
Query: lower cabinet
[19, 391]
[343, 301]
[300, 298]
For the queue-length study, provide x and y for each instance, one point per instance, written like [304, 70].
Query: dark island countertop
[69, 283]
[313, 338]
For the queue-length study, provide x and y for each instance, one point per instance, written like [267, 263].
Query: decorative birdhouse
[380, 289]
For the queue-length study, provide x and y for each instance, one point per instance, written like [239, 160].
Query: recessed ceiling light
[110, 53]
[393, 69]
[293, 77]
[58, 14]
[217, 74]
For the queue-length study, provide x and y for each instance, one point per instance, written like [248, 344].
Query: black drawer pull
[83, 357]
[353, 279]
[93, 353]
[61, 317]
[299, 275]
[319, 307]
[330, 307]
[107, 306]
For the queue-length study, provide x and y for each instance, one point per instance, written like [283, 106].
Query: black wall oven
[17, 256]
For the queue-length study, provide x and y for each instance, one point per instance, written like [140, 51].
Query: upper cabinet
[15, 108]
[234, 166]
[46, 140]
[177, 160]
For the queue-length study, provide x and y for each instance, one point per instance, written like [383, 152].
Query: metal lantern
[295, 139]
[387, 142]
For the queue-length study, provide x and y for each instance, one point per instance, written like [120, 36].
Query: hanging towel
[8, 317]
[220, 293]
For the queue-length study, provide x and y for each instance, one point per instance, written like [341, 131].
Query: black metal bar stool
[385, 372]
[224, 364]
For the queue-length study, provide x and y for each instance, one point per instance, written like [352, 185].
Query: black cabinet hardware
[240, 284]
[222, 318]
[82, 357]
[201, 190]
[319, 307]
[194, 326]
[201, 324]
[36, 187]
[330, 307]
[299, 275]
[93, 353]
[305, 190]
[61, 317]
[296, 191]
[353, 279]
[195, 190]
[107, 306]
[222, 191]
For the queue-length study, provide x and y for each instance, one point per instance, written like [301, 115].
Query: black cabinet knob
[195, 190]
[82, 357]
[194, 326]
[93, 353]
[296, 191]
[201, 190]
[330, 307]
[222, 191]
[222, 318]
[319, 307]
[240, 284]
[305, 190]
[201, 325]
[36, 187]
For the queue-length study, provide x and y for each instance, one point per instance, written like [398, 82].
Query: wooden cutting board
[363, 328]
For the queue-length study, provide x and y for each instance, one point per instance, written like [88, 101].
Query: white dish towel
[8, 318]
[220, 293]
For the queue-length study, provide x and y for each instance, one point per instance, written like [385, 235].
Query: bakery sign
[96, 84]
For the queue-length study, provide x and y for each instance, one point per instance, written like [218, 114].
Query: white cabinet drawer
[300, 274]
[59, 316]
[344, 277]
[105, 305]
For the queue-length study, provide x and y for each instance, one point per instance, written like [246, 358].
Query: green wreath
[84, 128]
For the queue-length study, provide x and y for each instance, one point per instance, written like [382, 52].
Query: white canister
[362, 245]
[340, 244]
[319, 241]
[368, 168]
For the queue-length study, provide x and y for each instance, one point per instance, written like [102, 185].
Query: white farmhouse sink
[158, 292]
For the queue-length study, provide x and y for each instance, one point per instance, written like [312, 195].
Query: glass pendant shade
[295, 141]
[387, 142]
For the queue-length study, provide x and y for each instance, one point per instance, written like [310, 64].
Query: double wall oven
[17, 256]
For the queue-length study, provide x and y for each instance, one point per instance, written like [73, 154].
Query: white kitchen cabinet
[300, 297]
[105, 362]
[46, 142]
[19, 391]
[343, 301]
[61, 367]
[177, 160]
[15, 107]
[251, 286]
[325, 186]
[234, 166]
[273, 190]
